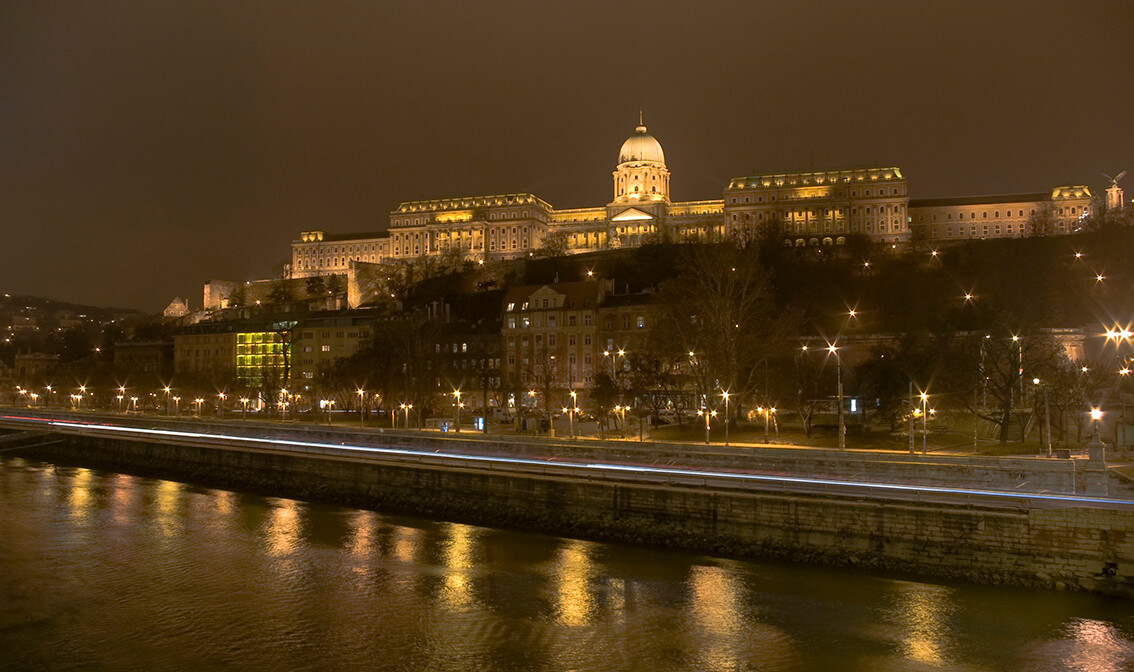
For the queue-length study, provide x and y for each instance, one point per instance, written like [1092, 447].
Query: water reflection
[922, 618]
[108, 571]
[80, 493]
[574, 573]
[1096, 646]
[282, 533]
[458, 560]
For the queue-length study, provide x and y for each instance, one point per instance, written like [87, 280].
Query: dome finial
[641, 128]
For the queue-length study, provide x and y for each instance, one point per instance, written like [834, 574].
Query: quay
[1023, 521]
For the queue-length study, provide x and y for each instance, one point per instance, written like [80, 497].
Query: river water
[106, 571]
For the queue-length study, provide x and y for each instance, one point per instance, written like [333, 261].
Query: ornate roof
[641, 147]
[466, 202]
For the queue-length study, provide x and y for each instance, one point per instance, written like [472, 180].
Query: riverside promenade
[1029, 521]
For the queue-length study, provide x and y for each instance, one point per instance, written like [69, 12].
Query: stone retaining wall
[1080, 549]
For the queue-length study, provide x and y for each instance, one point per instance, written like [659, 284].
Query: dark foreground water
[115, 572]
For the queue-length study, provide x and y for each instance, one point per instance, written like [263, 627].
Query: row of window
[894, 191]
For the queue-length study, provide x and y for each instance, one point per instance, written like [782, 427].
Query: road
[561, 468]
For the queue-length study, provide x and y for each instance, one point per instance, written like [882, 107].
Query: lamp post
[571, 413]
[177, 406]
[49, 394]
[220, 404]
[924, 421]
[457, 405]
[532, 403]
[244, 403]
[707, 413]
[1046, 414]
[167, 404]
[725, 394]
[406, 408]
[120, 397]
[834, 350]
[1122, 373]
[198, 401]
[361, 411]
[330, 404]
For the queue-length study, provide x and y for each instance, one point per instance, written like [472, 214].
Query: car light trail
[599, 468]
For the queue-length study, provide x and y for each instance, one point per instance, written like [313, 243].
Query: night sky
[146, 147]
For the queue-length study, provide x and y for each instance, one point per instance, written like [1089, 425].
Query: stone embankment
[1075, 545]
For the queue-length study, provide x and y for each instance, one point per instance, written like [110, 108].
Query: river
[107, 571]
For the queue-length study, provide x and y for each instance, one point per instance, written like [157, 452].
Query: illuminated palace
[818, 208]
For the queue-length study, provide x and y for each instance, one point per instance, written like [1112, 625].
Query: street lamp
[244, 403]
[457, 404]
[1046, 414]
[725, 394]
[406, 408]
[166, 390]
[220, 403]
[839, 376]
[134, 404]
[767, 413]
[361, 403]
[120, 397]
[49, 393]
[621, 411]
[924, 421]
[1123, 372]
[198, 401]
[177, 406]
[707, 413]
[572, 410]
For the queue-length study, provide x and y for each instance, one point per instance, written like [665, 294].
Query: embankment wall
[1081, 549]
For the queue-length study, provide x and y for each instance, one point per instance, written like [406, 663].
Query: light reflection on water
[103, 570]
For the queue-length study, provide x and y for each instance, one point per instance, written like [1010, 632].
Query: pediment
[631, 215]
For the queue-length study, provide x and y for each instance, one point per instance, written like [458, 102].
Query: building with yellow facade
[800, 209]
[943, 220]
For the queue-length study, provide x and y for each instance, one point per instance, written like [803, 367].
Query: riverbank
[1079, 547]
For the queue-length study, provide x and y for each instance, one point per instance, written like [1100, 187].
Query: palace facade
[816, 208]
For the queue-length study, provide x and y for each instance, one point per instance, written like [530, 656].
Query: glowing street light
[407, 408]
[573, 410]
[198, 401]
[244, 403]
[839, 377]
[707, 414]
[134, 404]
[924, 421]
[457, 404]
[361, 403]
[725, 396]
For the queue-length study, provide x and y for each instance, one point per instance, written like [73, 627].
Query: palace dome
[641, 147]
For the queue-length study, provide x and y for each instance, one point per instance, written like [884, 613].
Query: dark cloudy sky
[146, 147]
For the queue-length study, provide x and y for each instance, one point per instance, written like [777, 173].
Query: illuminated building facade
[821, 208]
[942, 220]
[802, 209]
[321, 341]
[255, 354]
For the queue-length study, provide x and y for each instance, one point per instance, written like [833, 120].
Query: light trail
[595, 467]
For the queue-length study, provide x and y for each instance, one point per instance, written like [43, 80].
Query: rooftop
[816, 178]
[465, 202]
